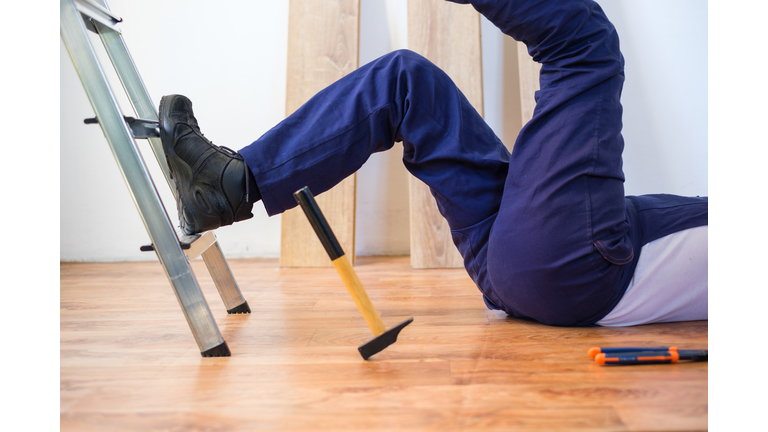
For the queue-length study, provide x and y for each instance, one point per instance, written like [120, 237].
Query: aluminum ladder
[174, 251]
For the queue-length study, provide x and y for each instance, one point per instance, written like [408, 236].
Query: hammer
[382, 337]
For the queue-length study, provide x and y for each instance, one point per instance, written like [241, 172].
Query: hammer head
[382, 341]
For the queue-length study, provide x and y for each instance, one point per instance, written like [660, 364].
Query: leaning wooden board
[323, 46]
[447, 34]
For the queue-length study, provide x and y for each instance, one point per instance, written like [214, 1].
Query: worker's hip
[551, 270]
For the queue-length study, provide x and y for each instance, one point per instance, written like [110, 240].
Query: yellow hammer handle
[356, 290]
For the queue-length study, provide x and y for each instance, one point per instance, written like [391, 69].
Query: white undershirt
[670, 282]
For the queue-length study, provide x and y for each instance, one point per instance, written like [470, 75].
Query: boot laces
[202, 135]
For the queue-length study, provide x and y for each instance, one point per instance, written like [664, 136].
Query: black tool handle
[307, 202]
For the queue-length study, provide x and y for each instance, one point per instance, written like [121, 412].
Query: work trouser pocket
[617, 251]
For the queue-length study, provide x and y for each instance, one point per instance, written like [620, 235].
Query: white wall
[230, 60]
[665, 94]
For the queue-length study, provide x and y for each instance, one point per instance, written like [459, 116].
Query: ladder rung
[140, 128]
[151, 247]
[192, 245]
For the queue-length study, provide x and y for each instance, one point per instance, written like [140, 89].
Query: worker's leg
[398, 97]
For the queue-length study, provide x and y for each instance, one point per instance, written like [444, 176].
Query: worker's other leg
[566, 241]
[560, 248]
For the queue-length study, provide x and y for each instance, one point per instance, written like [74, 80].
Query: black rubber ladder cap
[240, 309]
[221, 350]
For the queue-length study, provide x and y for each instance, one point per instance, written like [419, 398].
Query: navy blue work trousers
[546, 232]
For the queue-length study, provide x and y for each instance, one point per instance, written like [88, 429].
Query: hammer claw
[382, 341]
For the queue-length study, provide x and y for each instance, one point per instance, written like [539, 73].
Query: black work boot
[210, 180]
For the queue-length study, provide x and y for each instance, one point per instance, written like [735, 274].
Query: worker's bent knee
[405, 59]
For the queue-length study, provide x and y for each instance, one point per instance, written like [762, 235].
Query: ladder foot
[241, 309]
[221, 350]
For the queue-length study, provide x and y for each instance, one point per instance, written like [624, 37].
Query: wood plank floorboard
[129, 361]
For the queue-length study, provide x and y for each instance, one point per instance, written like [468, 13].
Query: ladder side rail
[207, 247]
[224, 280]
[137, 179]
[134, 86]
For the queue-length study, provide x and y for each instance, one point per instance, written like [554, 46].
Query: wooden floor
[129, 361]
